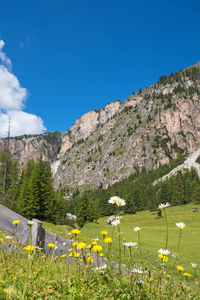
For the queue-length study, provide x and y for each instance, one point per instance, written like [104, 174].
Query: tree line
[31, 192]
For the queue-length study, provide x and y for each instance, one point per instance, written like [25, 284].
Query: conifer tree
[86, 211]
[8, 181]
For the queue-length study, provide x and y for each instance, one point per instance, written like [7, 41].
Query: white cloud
[12, 95]
[21, 123]
[12, 99]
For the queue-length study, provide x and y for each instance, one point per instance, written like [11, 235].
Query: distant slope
[106, 145]
[189, 163]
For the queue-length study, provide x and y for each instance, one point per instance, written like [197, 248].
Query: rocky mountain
[104, 146]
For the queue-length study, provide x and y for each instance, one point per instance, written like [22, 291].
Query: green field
[153, 233]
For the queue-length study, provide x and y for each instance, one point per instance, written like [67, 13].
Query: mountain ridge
[105, 145]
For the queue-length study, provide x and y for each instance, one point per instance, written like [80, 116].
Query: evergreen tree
[86, 211]
[60, 205]
[26, 205]
[9, 175]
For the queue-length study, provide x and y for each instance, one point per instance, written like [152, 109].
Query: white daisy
[164, 205]
[180, 225]
[164, 251]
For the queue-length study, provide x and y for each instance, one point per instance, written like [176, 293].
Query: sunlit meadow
[139, 256]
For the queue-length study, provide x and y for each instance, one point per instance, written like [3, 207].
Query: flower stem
[166, 228]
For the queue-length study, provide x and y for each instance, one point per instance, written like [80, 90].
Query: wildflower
[71, 249]
[131, 244]
[114, 199]
[108, 240]
[187, 274]
[97, 248]
[90, 259]
[81, 245]
[101, 254]
[77, 254]
[64, 255]
[64, 244]
[88, 246]
[168, 276]
[1, 240]
[29, 248]
[137, 229]
[164, 205]
[151, 279]
[139, 271]
[76, 231]
[115, 222]
[165, 259]
[180, 225]
[88, 254]
[8, 237]
[101, 269]
[95, 240]
[194, 265]
[75, 244]
[180, 268]
[71, 254]
[51, 245]
[104, 232]
[164, 251]
[121, 202]
[30, 223]
[15, 222]
[94, 243]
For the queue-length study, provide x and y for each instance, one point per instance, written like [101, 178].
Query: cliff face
[106, 145]
[32, 146]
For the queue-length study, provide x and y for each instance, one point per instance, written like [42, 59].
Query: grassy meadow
[153, 233]
[30, 274]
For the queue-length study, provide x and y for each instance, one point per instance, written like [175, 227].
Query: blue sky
[76, 56]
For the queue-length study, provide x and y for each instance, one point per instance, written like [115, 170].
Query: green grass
[33, 276]
[153, 233]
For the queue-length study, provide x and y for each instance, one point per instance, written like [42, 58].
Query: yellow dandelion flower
[76, 231]
[81, 245]
[77, 255]
[1, 240]
[104, 232]
[97, 248]
[187, 274]
[165, 259]
[180, 268]
[101, 254]
[51, 245]
[108, 240]
[88, 254]
[64, 255]
[71, 254]
[168, 276]
[151, 279]
[94, 243]
[88, 246]
[29, 248]
[71, 249]
[81, 260]
[75, 244]
[160, 256]
[15, 222]
[90, 259]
